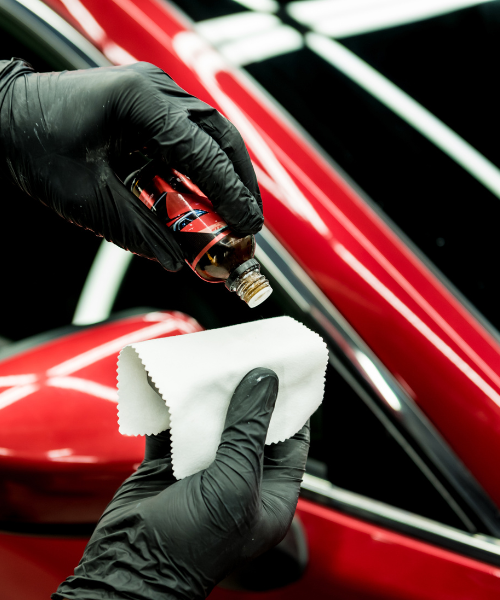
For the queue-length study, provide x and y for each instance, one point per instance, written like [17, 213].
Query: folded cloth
[196, 375]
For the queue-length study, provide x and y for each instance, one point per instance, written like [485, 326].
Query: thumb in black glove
[64, 135]
[162, 538]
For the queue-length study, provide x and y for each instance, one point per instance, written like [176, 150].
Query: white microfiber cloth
[196, 375]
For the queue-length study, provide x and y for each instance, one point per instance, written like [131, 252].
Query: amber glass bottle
[210, 248]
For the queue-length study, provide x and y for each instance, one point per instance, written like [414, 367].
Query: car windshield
[403, 97]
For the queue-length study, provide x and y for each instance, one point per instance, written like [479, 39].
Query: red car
[401, 495]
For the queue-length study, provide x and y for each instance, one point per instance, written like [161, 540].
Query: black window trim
[478, 546]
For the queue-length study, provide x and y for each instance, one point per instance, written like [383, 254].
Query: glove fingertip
[259, 374]
[262, 383]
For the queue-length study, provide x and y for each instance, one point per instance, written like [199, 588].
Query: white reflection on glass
[343, 18]
[263, 5]
[236, 26]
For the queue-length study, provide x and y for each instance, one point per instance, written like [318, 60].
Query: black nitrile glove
[64, 135]
[160, 538]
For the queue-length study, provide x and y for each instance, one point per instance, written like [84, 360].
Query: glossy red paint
[62, 457]
[33, 566]
[353, 560]
[349, 560]
[438, 351]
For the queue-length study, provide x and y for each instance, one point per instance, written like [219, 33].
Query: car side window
[444, 210]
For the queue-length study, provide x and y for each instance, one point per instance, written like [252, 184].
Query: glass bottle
[209, 247]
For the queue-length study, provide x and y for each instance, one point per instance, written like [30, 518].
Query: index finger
[230, 141]
[164, 118]
[198, 155]
[236, 472]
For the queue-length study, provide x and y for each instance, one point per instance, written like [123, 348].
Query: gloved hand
[63, 136]
[160, 538]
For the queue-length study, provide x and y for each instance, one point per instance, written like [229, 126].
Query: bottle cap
[248, 282]
[260, 296]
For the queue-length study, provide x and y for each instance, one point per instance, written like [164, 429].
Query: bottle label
[188, 214]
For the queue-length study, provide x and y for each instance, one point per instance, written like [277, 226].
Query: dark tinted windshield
[448, 64]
